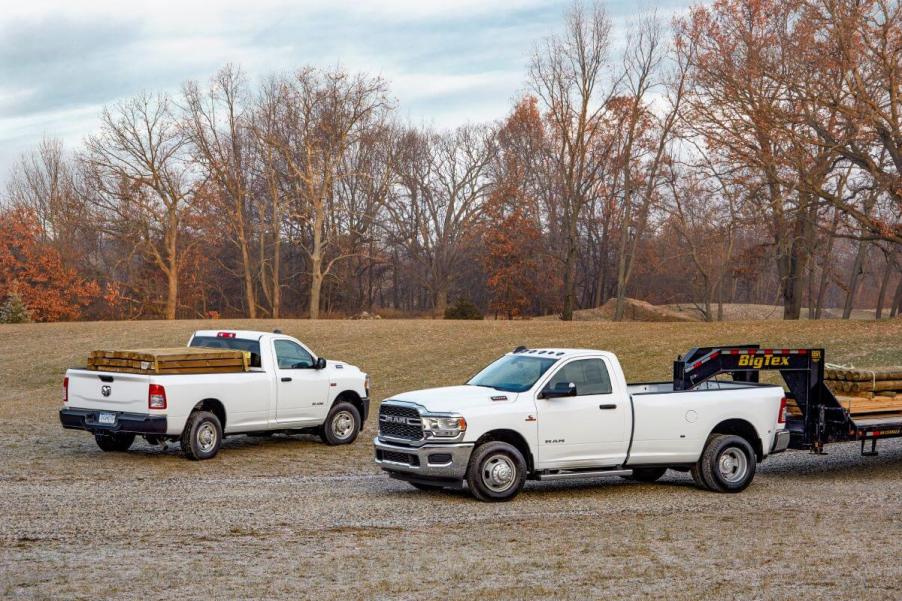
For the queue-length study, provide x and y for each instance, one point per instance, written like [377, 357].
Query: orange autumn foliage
[35, 269]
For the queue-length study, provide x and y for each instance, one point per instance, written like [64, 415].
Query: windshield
[513, 373]
[235, 344]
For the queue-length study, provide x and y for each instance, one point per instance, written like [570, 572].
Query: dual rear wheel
[727, 464]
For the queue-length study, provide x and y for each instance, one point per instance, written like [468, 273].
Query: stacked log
[163, 361]
[866, 391]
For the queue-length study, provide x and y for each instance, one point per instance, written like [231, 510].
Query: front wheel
[727, 464]
[114, 441]
[497, 472]
[342, 424]
[202, 436]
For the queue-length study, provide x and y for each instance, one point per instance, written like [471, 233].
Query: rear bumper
[781, 441]
[432, 462]
[139, 423]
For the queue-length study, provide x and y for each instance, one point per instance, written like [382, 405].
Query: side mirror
[561, 389]
[320, 363]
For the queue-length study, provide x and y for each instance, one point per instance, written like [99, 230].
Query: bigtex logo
[758, 361]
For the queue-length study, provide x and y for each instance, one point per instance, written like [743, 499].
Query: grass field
[289, 516]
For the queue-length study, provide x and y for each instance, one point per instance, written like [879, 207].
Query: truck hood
[455, 398]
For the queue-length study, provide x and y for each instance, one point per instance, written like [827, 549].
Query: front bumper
[781, 441]
[139, 423]
[447, 462]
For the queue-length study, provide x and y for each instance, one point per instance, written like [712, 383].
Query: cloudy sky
[447, 62]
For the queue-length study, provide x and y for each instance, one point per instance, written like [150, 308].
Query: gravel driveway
[815, 527]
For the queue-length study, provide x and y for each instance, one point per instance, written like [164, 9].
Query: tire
[697, 477]
[728, 463]
[497, 472]
[647, 474]
[426, 487]
[342, 424]
[115, 442]
[202, 436]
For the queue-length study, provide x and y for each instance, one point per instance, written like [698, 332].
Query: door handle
[608, 406]
[286, 379]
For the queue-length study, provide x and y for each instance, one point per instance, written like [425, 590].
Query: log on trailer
[165, 361]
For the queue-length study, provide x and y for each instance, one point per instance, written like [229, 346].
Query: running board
[587, 474]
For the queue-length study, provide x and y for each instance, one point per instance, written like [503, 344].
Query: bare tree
[144, 182]
[442, 187]
[566, 74]
[218, 131]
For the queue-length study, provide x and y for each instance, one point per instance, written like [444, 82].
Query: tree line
[747, 152]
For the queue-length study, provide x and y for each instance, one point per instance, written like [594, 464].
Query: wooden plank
[170, 360]
[176, 354]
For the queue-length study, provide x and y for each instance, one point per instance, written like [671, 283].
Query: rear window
[235, 344]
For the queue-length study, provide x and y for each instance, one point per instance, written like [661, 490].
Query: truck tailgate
[108, 391]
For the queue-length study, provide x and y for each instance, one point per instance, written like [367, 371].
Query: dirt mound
[635, 310]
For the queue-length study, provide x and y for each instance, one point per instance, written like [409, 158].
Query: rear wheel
[727, 463]
[114, 441]
[647, 474]
[497, 472]
[202, 436]
[342, 424]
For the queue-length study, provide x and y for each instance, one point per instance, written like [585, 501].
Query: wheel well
[215, 407]
[512, 438]
[349, 396]
[743, 429]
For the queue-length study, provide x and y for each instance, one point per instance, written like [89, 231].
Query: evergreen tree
[14, 309]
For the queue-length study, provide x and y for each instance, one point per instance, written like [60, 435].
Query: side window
[292, 356]
[589, 375]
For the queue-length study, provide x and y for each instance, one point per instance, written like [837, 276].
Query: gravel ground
[289, 517]
[816, 527]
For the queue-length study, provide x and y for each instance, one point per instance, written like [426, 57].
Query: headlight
[447, 427]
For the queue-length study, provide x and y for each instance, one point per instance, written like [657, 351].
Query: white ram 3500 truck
[287, 389]
[555, 414]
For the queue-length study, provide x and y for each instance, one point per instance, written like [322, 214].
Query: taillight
[366, 384]
[781, 416]
[66, 389]
[156, 397]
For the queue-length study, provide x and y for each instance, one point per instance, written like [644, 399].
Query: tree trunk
[884, 283]
[440, 298]
[897, 300]
[826, 266]
[570, 271]
[250, 296]
[172, 271]
[854, 278]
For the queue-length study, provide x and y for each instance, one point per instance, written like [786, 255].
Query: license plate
[106, 418]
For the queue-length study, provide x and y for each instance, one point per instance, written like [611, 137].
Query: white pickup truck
[555, 414]
[287, 389]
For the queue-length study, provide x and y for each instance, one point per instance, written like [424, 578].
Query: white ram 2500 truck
[287, 389]
[555, 414]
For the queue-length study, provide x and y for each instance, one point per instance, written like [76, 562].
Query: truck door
[585, 430]
[302, 389]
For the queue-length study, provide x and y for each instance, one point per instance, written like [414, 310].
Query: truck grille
[400, 422]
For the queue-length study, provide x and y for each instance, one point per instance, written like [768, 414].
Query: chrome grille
[396, 421]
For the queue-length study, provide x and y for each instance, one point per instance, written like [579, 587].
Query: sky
[447, 63]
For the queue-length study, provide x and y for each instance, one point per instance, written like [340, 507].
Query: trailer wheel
[497, 472]
[646, 474]
[202, 436]
[113, 442]
[728, 463]
[342, 425]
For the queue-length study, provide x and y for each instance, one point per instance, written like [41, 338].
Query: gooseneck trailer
[822, 418]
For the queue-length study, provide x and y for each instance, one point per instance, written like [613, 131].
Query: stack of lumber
[866, 391]
[182, 360]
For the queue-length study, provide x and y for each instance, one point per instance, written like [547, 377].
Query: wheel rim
[733, 465]
[343, 424]
[499, 473]
[206, 437]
